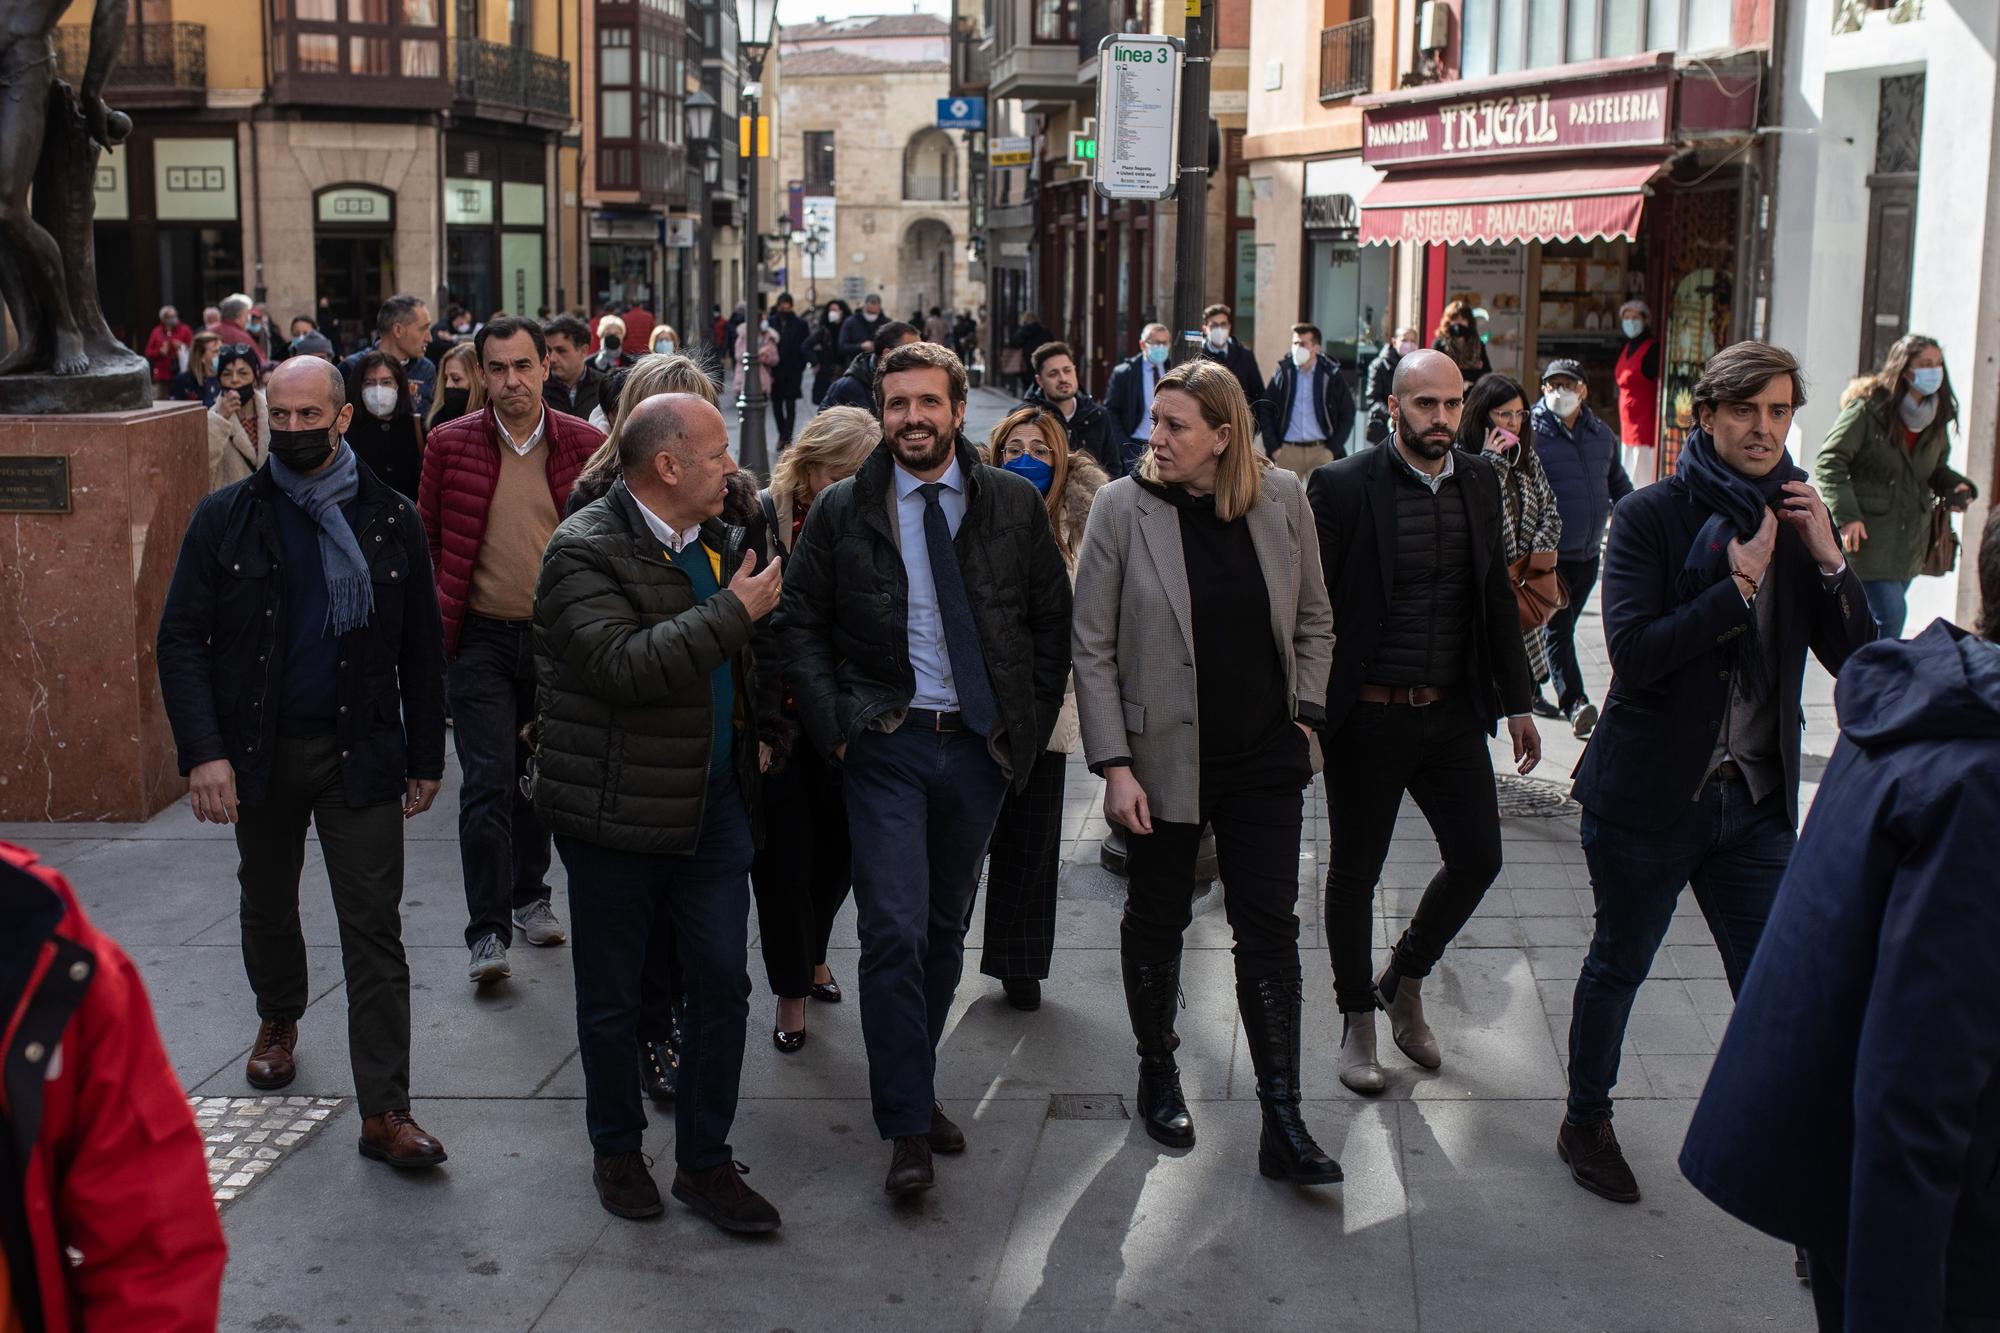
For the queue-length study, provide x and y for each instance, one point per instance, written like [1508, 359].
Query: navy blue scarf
[1736, 506]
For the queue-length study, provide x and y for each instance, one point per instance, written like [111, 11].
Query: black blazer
[1354, 503]
[1669, 659]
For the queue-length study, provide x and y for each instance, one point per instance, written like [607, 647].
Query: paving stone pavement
[1455, 1214]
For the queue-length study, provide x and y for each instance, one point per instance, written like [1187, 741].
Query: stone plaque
[34, 484]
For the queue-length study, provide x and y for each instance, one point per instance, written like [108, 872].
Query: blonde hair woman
[652, 376]
[664, 341]
[1026, 846]
[1202, 638]
[801, 876]
[461, 386]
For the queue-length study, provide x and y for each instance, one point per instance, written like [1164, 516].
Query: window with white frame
[1508, 36]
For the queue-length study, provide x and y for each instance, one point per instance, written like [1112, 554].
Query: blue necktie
[961, 636]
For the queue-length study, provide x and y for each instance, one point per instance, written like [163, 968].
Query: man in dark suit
[1716, 581]
[1307, 411]
[1428, 659]
[1128, 399]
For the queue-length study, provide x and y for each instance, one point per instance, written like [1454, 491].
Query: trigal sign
[1620, 111]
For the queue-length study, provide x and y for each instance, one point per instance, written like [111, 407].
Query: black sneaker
[720, 1195]
[1596, 1162]
[1541, 707]
[625, 1186]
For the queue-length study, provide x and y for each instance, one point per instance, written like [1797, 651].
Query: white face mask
[1218, 336]
[1301, 356]
[380, 400]
[1405, 346]
[833, 316]
[1562, 402]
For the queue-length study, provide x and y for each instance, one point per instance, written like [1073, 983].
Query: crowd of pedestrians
[868, 676]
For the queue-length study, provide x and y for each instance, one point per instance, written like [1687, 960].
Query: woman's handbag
[1941, 554]
[1538, 588]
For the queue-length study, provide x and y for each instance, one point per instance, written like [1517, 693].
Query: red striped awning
[1576, 201]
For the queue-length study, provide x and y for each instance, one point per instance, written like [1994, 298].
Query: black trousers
[785, 406]
[1258, 814]
[502, 846]
[803, 872]
[1024, 862]
[823, 378]
[1438, 755]
[363, 848]
[1578, 577]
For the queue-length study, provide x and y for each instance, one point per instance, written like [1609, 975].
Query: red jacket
[163, 350]
[110, 1160]
[461, 468]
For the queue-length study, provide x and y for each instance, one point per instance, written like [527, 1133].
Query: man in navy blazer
[1716, 582]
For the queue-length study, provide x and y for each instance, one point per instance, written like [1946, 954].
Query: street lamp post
[812, 240]
[756, 22]
[701, 109]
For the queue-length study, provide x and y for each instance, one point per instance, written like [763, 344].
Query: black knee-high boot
[1286, 1150]
[1151, 992]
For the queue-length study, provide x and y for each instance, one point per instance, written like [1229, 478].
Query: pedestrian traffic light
[743, 136]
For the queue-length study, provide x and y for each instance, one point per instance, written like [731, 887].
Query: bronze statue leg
[33, 283]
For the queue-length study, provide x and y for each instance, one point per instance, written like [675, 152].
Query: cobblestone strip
[244, 1137]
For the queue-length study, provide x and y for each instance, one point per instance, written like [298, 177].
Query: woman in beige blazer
[239, 425]
[1202, 641]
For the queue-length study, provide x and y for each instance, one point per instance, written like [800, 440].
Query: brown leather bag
[1941, 554]
[1538, 589]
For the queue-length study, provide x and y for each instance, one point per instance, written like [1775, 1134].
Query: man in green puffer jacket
[1882, 468]
[646, 761]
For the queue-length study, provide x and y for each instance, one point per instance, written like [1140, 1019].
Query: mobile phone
[1507, 437]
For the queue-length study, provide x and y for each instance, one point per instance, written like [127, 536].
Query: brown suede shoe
[271, 1065]
[909, 1166]
[395, 1138]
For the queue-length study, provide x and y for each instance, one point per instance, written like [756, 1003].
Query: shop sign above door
[1632, 110]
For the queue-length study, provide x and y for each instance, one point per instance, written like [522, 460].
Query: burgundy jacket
[461, 468]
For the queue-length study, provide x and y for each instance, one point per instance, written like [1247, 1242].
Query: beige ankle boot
[1359, 1071]
[1413, 1036]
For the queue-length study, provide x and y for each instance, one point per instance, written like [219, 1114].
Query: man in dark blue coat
[1716, 582]
[1854, 1107]
[1580, 454]
[1307, 411]
[1128, 399]
[857, 387]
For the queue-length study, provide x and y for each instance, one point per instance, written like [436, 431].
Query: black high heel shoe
[828, 991]
[788, 1042]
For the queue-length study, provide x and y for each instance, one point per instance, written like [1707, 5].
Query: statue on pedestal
[65, 358]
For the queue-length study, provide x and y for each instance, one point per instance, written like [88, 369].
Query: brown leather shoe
[909, 1166]
[271, 1065]
[944, 1136]
[395, 1138]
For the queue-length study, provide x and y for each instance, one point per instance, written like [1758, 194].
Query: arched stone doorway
[924, 267]
[930, 167]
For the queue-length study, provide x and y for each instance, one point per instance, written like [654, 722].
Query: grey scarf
[350, 594]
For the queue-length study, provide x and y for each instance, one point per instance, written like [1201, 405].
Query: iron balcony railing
[510, 76]
[152, 55]
[1346, 57]
[929, 189]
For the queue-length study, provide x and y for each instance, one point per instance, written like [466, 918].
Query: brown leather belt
[1416, 696]
[1727, 771]
[926, 720]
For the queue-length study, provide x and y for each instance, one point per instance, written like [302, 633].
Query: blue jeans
[1889, 600]
[1733, 852]
[617, 901]
[921, 806]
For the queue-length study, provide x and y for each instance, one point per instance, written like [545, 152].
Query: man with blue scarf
[301, 661]
[1716, 582]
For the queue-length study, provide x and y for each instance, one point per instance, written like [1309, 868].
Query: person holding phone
[1495, 428]
[239, 423]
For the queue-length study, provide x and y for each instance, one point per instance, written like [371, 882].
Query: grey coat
[1133, 632]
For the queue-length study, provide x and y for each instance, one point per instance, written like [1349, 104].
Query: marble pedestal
[80, 598]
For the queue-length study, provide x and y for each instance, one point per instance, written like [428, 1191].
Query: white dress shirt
[673, 541]
[527, 446]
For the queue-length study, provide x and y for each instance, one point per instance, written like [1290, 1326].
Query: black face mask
[1461, 330]
[455, 404]
[301, 450]
[245, 392]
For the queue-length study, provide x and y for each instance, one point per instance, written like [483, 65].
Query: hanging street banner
[1138, 116]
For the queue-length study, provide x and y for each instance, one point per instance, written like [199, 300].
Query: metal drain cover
[1087, 1106]
[1532, 798]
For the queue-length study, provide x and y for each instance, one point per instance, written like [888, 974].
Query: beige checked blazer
[1133, 634]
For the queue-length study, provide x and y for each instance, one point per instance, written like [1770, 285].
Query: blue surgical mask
[1034, 469]
[1927, 380]
[1633, 327]
[1157, 353]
